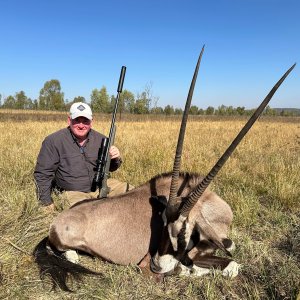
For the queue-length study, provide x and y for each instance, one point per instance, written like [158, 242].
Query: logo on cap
[81, 107]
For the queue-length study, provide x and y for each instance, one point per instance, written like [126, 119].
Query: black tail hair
[51, 263]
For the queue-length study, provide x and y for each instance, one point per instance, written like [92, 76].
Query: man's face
[80, 127]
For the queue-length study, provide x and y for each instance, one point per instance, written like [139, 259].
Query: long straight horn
[177, 160]
[196, 194]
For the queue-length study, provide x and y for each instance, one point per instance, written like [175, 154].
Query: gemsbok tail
[51, 263]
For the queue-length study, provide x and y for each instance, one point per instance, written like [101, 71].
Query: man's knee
[118, 187]
[74, 197]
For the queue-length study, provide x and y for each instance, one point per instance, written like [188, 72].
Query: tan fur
[124, 228]
[212, 217]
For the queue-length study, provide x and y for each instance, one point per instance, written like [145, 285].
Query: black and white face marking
[163, 264]
[174, 245]
[180, 233]
[164, 217]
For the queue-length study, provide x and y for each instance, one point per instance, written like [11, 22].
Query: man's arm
[46, 165]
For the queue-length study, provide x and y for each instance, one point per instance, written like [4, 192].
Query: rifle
[103, 161]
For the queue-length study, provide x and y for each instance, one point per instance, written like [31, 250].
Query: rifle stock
[103, 161]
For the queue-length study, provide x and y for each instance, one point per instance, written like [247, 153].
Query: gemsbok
[174, 219]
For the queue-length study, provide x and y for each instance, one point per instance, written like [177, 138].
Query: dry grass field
[260, 182]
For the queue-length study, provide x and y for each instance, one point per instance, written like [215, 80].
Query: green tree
[210, 110]
[35, 104]
[141, 104]
[51, 97]
[178, 111]
[221, 110]
[194, 110]
[240, 110]
[157, 110]
[100, 100]
[22, 102]
[169, 110]
[79, 99]
[127, 100]
[76, 99]
[201, 111]
[285, 113]
[269, 111]
[113, 100]
[230, 111]
[9, 102]
[140, 107]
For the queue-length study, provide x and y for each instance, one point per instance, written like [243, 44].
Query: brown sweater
[62, 162]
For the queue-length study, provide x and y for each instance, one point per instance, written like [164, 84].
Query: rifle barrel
[103, 162]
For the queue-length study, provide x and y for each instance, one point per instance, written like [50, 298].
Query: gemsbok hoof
[232, 270]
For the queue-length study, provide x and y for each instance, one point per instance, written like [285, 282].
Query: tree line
[51, 97]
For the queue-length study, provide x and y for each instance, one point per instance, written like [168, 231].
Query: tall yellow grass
[260, 182]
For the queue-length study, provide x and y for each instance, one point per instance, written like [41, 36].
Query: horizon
[248, 47]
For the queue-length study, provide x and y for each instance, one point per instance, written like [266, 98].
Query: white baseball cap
[80, 109]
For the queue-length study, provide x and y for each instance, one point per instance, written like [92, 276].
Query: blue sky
[249, 44]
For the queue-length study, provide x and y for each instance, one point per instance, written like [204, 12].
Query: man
[67, 160]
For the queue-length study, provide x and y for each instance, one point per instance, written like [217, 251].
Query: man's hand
[114, 152]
